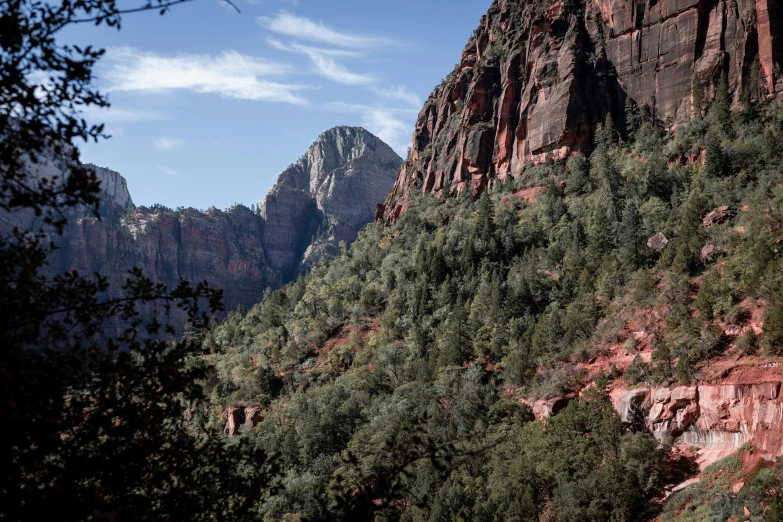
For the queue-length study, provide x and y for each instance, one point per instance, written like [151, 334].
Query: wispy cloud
[305, 29]
[390, 124]
[400, 93]
[168, 171]
[116, 115]
[168, 143]
[230, 74]
[115, 118]
[325, 64]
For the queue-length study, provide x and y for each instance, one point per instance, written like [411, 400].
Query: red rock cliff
[534, 81]
[716, 417]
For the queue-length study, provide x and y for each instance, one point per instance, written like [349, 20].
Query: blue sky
[209, 106]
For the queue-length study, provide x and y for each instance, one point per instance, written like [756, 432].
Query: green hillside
[396, 371]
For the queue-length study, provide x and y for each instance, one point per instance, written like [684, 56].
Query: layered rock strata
[718, 417]
[535, 79]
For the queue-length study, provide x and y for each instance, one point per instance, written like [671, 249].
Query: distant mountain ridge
[324, 198]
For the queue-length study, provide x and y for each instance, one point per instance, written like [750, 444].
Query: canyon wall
[535, 79]
[715, 417]
[323, 199]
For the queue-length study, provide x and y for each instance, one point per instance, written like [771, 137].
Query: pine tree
[485, 221]
[447, 295]
[487, 243]
[600, 137]
[480, 307]
[631, 117]
[549, 333]
[610, 131]
[689, 240]
[437, 265]
[601, 228]
[603, 167]
[720, 110]
[456, 343]
[706, 296]
[715, 162]
[578, 175]
[631, 235]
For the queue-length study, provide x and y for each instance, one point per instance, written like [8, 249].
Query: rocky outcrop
[326, 197]
[335, 187]
[241, 416]
[718, 216]
[719, 417]
[113, 187]
[658, 242]
[535, 79]
[716, 418]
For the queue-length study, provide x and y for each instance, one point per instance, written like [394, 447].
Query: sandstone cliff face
[114, 188]
[716, 417]
[334, 187]
[534, 81]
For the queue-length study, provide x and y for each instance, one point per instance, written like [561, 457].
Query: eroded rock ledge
[716, 417]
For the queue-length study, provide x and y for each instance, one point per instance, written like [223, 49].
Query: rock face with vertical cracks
[533, 81]
[715, 417]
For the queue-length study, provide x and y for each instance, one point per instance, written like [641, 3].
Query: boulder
[708, 252]
[718, 216]
[658, 242]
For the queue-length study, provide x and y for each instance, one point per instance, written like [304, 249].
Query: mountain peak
[330, 193]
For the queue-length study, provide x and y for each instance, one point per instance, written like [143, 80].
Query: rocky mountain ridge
[335, 186]
[628, 296]
[534, 81]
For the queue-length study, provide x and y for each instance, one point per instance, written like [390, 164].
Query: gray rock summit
[326, 197]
